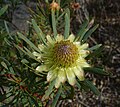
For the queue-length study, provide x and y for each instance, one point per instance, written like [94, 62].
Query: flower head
[75, 6]
[54, 6]
[63, 59]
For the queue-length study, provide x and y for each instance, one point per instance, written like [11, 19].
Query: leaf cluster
[20, 85]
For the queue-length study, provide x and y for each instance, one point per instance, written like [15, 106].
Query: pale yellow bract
[63, 59]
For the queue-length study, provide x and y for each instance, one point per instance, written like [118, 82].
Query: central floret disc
[65, 53]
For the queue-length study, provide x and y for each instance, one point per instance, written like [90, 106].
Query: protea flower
[63, 59]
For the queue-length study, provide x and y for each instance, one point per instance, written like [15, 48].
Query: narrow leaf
[4, 65]
[8, 63]
[95, 53]
[91, 23]
[33, 102]
[28, 41]
[67, 25]
[3, 10]
[7, 29]
[40, 74]
[12, 70]
[89, 33]
[24, 61]
[95, 47]
[38, 31]
[62, 14]
[57, 97]
[78, 85]
[82, 30]
[27, 53]
[49, 90]
[92, 87]
[54, 23]
[96, 71]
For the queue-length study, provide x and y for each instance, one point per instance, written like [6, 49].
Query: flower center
[65, 53]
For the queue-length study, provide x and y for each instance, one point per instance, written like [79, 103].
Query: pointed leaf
[7, 29]
[54, 23]
[27, 53]
[95, 53]
[83, 30]
[67, 24]
[89, 32]
[38, 31]
[91, 23]
[24, 61]
[4, 65]
[49, 90]
[12, 70]
[33, 102]
[62, 14]
[57, 97]
[28, 41]
[92, 87]
[3, 10]
[78, 85]
[95, 47]
[8, 63]
[96, 71]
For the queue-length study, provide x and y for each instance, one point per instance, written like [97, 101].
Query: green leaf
[3, 10]
[78, 85]
[92, 87]
[30, 54]
[90, 23]
[67, 24]
[12, 70]
[38, 31]
[32, 69]
[72, 92]
[54, 23]
[4, 65]
[24, 61]
[62, 14]
[27, 53]
[95, 47]
[28, 41]
[9, 94]
[89, 32]
[7, 29]
[33, 102]
[96, 71]
[95, 53]
[49, 90]
[8, 63]
[84, 86]
[82, 30]
[57, 96]
[15, 99]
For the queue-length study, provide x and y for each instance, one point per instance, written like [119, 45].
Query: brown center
[65, 53]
